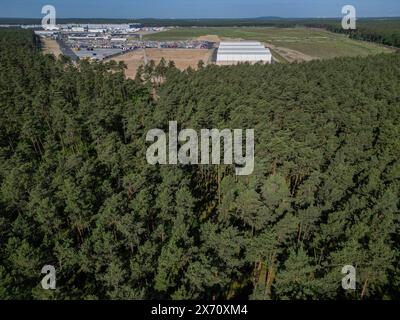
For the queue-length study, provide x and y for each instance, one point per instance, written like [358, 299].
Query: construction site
[129, 44]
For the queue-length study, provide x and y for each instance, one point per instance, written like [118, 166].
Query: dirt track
[289, 54]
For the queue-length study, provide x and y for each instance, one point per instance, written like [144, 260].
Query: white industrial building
[97, 30]
[78, 29]
[243, 51]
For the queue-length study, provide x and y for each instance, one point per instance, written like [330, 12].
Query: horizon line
[210, 18]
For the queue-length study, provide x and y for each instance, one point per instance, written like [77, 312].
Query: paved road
[67, 51]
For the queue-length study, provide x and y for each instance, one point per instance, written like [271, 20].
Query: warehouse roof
[243, 51]
[243, 47]
[243, 43]
[240, 47]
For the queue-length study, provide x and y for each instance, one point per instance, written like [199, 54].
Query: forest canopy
[76, 191]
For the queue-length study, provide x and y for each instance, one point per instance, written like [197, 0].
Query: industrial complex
[100, 42]
[106, 41]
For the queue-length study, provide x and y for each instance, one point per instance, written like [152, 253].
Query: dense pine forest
[76, 191]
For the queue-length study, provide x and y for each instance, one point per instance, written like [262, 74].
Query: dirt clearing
[133, 60]
[51, 46]
[183, 58]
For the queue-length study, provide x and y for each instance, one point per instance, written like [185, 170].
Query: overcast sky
[197, 8]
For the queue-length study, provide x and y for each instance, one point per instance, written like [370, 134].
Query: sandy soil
[51, 46]
[183, 58]
[133, 60]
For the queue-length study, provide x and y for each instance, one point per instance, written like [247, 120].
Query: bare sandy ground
[133, 60]
[183, 58]
[51, 46]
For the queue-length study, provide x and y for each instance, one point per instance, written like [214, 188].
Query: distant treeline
[264, 21]
[382, 31]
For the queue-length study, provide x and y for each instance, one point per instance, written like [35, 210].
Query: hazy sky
[197, 8]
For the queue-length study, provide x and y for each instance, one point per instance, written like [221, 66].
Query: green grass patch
[317, 43]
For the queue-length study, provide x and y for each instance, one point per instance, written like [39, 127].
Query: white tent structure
[243, 51]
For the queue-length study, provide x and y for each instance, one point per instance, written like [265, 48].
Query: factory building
[78, 29]
[97, 30]
[244, 51]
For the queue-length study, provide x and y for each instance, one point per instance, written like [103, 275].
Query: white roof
[251, 47]
[246, 53]
[242, 46]
[243, 51]
[243, 43]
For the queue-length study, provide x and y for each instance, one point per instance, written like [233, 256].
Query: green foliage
[76, 191]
